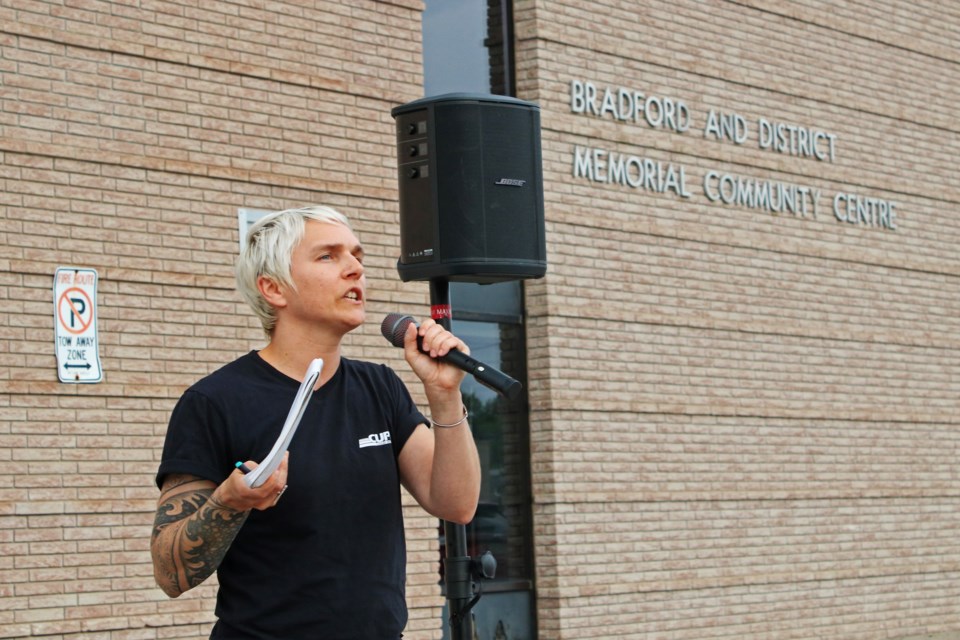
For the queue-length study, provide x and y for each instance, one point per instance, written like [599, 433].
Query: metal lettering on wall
[665, 112]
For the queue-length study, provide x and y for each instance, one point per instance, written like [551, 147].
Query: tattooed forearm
[192, 533]
[206, 539]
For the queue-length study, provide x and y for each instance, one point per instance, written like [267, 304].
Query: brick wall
[745, 423]
[130, 135]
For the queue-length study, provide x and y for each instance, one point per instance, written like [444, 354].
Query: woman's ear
[272, 292]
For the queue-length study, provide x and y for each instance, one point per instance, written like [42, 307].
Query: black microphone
[394, 326]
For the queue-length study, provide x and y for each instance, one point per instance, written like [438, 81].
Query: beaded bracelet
[455, 424]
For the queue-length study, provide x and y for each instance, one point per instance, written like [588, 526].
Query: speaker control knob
[413, 172]
[414, 151]
[412, 128]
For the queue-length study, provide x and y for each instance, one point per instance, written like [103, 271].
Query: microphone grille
[394, 326]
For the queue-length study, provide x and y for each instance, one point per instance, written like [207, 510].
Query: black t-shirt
[329, 561]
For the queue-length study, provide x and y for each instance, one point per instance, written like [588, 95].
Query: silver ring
[280, 493]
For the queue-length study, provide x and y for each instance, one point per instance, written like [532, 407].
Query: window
[502, 524]
[467, 48]
[247, 217]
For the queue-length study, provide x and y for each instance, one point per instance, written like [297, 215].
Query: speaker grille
[485, 173]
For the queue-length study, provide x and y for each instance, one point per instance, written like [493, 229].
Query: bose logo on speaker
[511, 182]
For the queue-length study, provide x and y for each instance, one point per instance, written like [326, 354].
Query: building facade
[742, 365]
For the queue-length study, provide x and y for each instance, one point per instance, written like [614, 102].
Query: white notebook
[269, 464]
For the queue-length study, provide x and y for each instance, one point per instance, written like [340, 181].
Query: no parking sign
[75, 319]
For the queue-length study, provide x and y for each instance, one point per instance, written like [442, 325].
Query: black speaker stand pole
[456, 568]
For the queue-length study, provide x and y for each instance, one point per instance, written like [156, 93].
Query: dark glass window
[502, 523]
[468, 48]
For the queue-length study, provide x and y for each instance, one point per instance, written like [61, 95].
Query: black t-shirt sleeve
[195, 440]
[406, 416]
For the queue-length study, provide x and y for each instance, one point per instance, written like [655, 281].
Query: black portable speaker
[471, 189]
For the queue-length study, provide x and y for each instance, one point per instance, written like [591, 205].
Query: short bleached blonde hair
[268, 251]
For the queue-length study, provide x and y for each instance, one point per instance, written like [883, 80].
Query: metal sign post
[456, 568]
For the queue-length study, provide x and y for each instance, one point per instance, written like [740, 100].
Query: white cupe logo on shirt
[375, 440]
